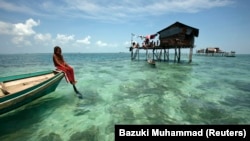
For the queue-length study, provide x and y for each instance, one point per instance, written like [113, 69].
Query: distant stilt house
[176, 36]
[214, 51]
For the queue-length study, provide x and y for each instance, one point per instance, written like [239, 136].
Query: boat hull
[18, 99]
[151, 62]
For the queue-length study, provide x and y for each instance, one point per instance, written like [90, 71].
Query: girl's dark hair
[58, 55]
[56, 48]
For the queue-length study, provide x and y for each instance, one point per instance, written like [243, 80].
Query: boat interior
[14, 86]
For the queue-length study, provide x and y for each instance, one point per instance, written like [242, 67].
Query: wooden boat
[18, 90]
[151, 62]
[230, 54]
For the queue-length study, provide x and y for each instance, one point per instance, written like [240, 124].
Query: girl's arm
[58, 61]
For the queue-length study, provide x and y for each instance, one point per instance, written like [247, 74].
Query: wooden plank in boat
[18, 85]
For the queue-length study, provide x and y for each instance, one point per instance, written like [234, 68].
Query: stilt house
[177, 36]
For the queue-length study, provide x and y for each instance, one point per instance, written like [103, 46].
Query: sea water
[116, 90]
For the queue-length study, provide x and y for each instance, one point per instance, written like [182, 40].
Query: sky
[102, 26]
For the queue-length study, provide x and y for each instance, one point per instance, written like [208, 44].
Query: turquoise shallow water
[210, 90]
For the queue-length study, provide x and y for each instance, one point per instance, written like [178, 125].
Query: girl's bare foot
[73, 83]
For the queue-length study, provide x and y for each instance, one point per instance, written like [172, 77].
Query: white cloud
[42, 37]
[17, 40]
[19, 29]
[111, 10]
[62, 39]
[19, 32]
[15, 7]
[85, 40]
[20, 40]
[24, 34]
[124, 9]
[25, 29]
[101, 44]
[6, 28]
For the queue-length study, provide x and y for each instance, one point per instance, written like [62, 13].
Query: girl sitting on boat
[60, 64]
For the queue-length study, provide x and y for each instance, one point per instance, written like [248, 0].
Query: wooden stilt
[164, 54]
[168, 55]
[179, 54]
[132, 55]
[190, 54]
[138, 54]
[153, 54]
[175, 54]
[160, 55]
